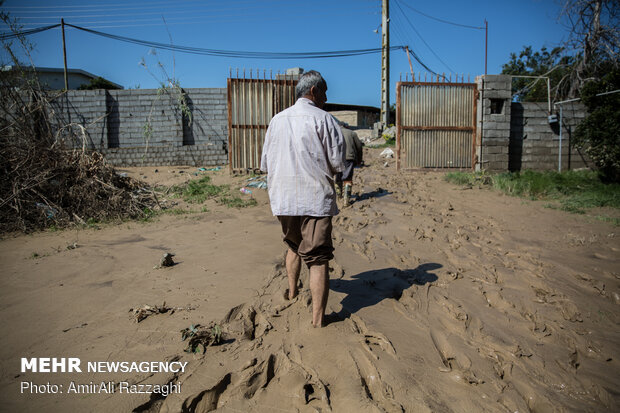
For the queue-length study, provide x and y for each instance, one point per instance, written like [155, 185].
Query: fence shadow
[371, 287]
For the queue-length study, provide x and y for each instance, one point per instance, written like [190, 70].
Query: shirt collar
[307, 101]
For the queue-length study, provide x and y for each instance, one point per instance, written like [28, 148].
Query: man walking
[354, 157]
[303, 150]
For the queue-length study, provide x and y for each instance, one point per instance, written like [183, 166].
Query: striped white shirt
[303, 149]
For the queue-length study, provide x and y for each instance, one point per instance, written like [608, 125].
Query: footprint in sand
[371, 339]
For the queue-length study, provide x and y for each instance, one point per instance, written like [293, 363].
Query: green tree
[599, 133]
[98, 83]
[594, 34]
[585, 66]
[554, 64]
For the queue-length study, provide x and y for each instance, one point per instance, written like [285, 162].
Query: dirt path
[442, 299]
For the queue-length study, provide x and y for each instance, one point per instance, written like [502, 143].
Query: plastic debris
[389, 133]
[245, 191]
[257, 182]
[49, 211]
[387, 153]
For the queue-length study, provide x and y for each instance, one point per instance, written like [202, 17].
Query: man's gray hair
[307, 80]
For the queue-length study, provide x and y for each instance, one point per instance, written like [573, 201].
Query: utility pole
[64, 53]
[486, 43]
[385, 64]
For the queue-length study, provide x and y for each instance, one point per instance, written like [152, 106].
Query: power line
[442, 20]
[196, 16]
[421, 38]
[186, 21]
[13, 35]
[89, 6]
[126, 5]
[399, 32]
[140, 12]
[402, 38]
[236, 53]
[417, 59]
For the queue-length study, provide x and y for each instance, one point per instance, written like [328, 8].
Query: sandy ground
[442, 299]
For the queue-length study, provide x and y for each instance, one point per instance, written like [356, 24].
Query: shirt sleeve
[263, 158]
[334, 145]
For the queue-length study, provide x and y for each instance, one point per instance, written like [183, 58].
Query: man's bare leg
[346, 192]
[293, 266]
[319, 287]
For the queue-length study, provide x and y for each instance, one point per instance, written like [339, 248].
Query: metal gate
[435, 125]
[251, 105]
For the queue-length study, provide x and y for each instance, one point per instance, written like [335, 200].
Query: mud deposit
[443, 299]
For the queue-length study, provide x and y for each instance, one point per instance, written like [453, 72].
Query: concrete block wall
[534, 142]
[209, 124]
[80, 107]
[196, 155]
[147, 126]
[131, 111]
[493, 129]
[519, 136]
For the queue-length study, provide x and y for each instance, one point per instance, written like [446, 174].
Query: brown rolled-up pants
[309, 237]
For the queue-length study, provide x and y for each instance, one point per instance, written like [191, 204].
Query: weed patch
[199, 190]
[572, 191]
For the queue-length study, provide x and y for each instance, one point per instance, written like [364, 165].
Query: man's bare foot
[318, 326]
[289, 296]
[327, 319]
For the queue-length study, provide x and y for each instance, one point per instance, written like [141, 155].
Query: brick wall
[147, 126]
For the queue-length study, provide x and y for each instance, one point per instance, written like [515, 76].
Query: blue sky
[285, 26]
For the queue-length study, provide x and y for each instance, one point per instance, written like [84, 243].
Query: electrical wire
[236, 53]
[194, 12]
[195, 16]
[421, 63]
[89, 6]
[13, 35]
[421, 38]
[401, 37]
[442, 20]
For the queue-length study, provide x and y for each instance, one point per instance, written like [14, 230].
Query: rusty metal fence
[252, 102]
[435, 124]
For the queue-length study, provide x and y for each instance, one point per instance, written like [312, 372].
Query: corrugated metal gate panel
[436, 149]
[435, 124]
[251, 105]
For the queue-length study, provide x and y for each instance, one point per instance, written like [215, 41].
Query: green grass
[612, 220]
[236, 202]
[468, 179]
[199, 190]
[572, 191]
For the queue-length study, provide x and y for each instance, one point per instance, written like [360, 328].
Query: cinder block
[494, 133]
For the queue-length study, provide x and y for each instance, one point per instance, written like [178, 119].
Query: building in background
[54, 78]
[356, 116]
